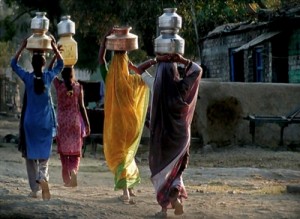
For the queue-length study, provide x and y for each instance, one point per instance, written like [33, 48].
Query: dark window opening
[236, 66]
[280, 66]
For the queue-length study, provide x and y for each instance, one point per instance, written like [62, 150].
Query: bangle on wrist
[154, 60]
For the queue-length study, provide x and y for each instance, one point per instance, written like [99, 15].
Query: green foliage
[94, 18]
[219, 12]
[6, 53]
[9, 30]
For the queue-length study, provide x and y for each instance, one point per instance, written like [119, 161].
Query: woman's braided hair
[38, 61]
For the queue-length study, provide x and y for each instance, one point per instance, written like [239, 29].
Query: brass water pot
[122, 40]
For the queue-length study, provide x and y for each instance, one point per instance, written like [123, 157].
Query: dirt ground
[233, 182]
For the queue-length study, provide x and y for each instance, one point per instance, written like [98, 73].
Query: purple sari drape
[173, 105]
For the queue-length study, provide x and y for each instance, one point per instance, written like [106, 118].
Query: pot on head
[65, 26]
[40, 23]
[66, 30]
[169, 43]
[170, 20]
[39, 40]
[122, 40]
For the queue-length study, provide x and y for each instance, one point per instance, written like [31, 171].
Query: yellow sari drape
[125, 106]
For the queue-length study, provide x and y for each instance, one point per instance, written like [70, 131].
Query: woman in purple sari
[173, 104]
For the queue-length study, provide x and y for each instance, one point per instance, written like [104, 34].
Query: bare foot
[175, 202]
[73, 182]
[131, 193]
[125, 199]
[178, 207]
[32, 194]
[161, 214]
[67, 185]
[45, 190]
[132, 202]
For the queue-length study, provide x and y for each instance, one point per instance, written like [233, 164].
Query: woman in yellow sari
[125, 106]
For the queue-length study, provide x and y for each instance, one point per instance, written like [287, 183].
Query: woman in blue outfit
[39, 117]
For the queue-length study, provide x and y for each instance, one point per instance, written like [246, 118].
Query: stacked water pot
[169, 42]
[39, 41]
[122, 40]
[66, 30]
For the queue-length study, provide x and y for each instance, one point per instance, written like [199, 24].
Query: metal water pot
[40, 23]
[170, 20]
[66, 30]
[169, 43]
[65, 26]
[122, 40]
[39, 40]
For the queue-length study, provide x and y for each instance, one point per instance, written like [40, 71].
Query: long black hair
[38, 61]
[67, 75]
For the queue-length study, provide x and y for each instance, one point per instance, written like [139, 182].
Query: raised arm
[59, 64]
[102, 49]
[179, 58]
[144, 66]
[14, 62]
[22, 47]
[147, 64]
[190, 67]
[55, 48]
[51, 64]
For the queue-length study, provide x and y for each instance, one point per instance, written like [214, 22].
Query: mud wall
[221, 107]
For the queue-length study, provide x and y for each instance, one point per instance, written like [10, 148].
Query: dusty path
[213, 192]
[238, 182]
